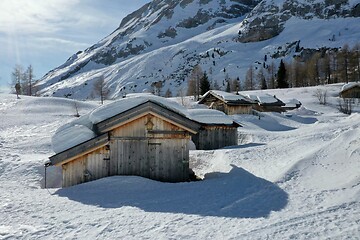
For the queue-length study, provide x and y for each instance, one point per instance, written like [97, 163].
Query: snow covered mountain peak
[268, 18]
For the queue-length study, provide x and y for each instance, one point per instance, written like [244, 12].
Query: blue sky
[45, 33]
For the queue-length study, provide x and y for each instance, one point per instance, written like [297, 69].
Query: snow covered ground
[292, 176]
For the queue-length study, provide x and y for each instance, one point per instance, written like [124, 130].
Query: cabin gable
[150, 147]
[229, 107]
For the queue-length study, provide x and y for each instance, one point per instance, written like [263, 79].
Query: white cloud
[33, 16]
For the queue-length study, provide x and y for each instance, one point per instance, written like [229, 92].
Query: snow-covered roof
[82, 129]
[228, 97]
[292, 103]
[70, 137]
[209, 116]
[124, 104]
[348, 86]
[264, 98]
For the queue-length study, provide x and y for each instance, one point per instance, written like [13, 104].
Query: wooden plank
[167, 132]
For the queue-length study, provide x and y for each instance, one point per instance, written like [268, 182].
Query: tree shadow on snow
[237, 194]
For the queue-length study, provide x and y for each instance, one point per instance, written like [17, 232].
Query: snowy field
[292, 176]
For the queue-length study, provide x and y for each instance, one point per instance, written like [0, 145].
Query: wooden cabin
[267, 103]
[149, 140]
[350, 90]
[217, 129]
[228, 103]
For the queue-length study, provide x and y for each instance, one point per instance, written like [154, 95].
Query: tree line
[325, 66]
[314, 67]
[319, 67]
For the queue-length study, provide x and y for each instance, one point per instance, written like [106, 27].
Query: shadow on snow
[246, 145]
[237, 194]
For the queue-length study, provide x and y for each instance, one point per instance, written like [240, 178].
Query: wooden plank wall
[86, 168]
[215, 137]
[159, 156]
[241, 109]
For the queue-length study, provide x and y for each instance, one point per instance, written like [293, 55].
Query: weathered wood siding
[215, 137]
[238, 109]
[269, 108]
[148, 146]
[217, 104]
[351, 93]
[86, 168]
[160, 153]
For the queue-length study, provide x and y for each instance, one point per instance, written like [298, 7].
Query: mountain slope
[164, 40]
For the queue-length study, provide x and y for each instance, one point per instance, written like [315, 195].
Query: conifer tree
[204, 84]
[228, 88]
[281, 76]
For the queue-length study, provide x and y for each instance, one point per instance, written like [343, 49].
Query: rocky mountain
[268, 19]
[160, 43]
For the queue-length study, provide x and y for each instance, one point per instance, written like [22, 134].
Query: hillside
[164, 40]
[293, 175]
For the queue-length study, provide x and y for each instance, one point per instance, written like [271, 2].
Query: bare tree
[156, 87]
[355, 63]
[28, 80]
[194, 81]
[321, 95]
[345, 106]
[313, 70]
[24, 78]
[271, 71]
[100, 89]
[168, 93]
[343, 59]
[16, 78]
[249, 80]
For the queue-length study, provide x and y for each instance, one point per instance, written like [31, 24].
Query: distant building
[350, 90]
[217, 129]
[266, 103]
[228, 103]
